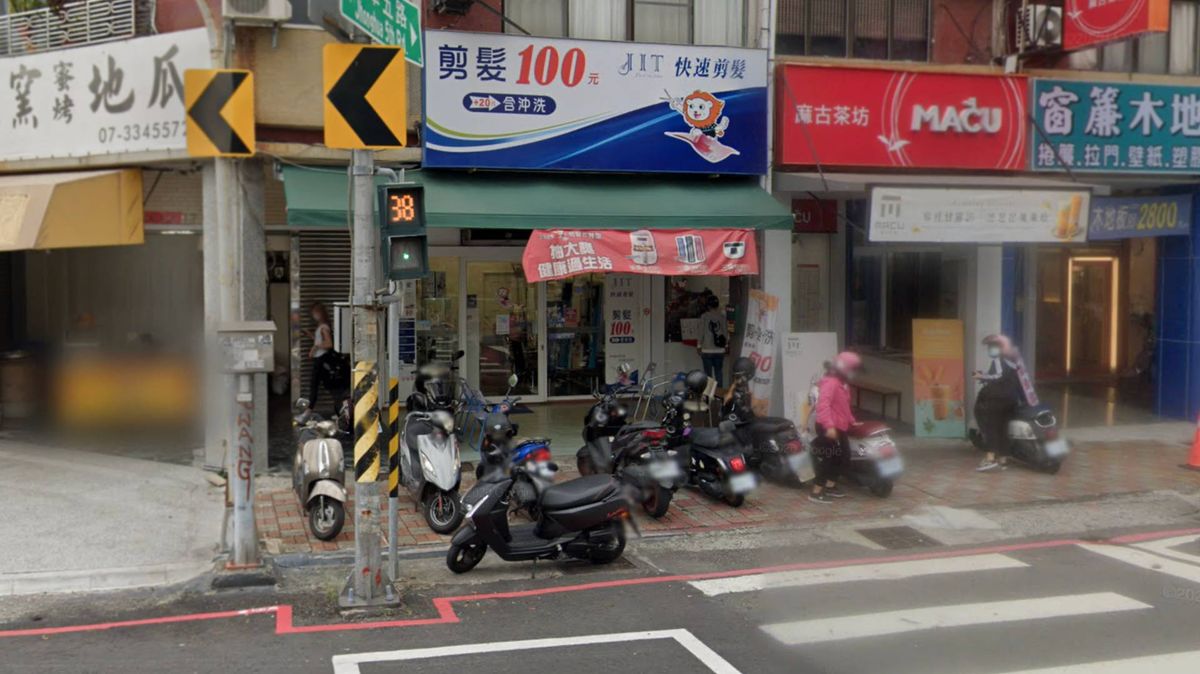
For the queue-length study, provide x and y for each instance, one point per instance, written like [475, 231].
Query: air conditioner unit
[262, 12]
[1041, 26]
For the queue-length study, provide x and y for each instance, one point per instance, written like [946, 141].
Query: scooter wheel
[443, 511]
[1051, 466]
[658, 503]
[326, 518]
[734, 500]
[463, 558]
[611, 549]
[882, 488]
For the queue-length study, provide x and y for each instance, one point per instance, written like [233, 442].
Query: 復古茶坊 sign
[517, 102]
[887, 118]
[1091, 22]
[114, 98]
[1116, 127]
[1137, 217]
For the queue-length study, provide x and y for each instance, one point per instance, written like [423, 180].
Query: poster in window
[938, 378]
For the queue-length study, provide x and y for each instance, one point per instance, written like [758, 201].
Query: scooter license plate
[892, 467]
[742, 483]
[1056, 448]
[802, 466]
[665, 470]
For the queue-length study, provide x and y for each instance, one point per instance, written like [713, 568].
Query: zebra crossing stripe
[1164, 663]
[394, 437]
[856, 573]
[1147, 560]
[957, 615]
[366, 422]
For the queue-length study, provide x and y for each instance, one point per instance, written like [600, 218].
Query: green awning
[490, 200]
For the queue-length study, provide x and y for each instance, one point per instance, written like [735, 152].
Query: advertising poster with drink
[761, 347]
[938, 377]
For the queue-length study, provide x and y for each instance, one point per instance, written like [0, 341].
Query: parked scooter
[429, 458]
[776, 450]
[582, 519]
[1033, 439]
[714, 460]
[318, 468]
[875, 461]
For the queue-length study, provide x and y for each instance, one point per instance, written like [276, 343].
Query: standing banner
[622, 325]
[1139, 217]
[115, 98]
[760, 346]
[978, 215]
[804, 355]
[518, 102]
[561, 253]
[938, 378]
[1092, 22]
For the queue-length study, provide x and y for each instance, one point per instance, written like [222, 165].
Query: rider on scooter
[833, 419]
[998, 399]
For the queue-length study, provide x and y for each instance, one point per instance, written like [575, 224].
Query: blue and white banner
[1136, 217]
[515, 102]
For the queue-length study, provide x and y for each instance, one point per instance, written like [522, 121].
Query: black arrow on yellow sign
[366, 97]
[220, 112]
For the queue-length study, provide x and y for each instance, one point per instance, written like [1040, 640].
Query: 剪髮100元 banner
[938, 378]
[517, 102]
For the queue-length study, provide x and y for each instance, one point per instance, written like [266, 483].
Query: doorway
[503, 327]
[1079, 300]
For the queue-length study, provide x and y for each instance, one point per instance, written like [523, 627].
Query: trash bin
[18, 397]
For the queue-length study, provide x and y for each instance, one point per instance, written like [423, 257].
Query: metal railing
[78, 23]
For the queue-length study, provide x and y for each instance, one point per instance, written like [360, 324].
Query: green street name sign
[390, 22]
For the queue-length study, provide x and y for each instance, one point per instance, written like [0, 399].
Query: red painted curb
[447, 615]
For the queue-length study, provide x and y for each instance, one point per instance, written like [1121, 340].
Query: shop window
[888, 289]
[1173, 52]
[711, 22]
[895, 30]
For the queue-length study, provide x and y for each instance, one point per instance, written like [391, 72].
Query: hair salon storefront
[666, 159]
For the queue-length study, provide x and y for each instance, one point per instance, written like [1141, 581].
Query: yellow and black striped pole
[366, 422]
[394, 438]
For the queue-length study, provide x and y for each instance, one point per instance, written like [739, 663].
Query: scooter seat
[770, 425]
[712, 438]
[577, 492]
[638, 427]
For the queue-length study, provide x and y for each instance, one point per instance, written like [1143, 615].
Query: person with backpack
[714, 339]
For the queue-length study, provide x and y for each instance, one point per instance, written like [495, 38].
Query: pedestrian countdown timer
[402, 220]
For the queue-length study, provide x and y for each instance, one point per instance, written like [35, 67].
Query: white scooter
[318, 469]
[430, 467]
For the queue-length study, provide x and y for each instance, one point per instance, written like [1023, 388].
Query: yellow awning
[70, 210]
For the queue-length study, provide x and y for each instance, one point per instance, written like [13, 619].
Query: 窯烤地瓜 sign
[869, 117]
[978, 215]
[1116, 127]
[517, 102]
[1138, 217]
[1091, 22]
[114, 98]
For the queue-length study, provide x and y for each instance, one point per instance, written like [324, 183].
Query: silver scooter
[430, 467]
[318, 471]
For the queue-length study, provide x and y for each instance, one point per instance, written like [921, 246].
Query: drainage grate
[898, 538]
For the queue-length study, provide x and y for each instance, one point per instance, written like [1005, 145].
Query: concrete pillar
[984, 299]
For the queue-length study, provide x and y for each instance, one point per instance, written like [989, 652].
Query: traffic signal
[402, 223]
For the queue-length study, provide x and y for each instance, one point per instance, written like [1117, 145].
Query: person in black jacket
[997, 401]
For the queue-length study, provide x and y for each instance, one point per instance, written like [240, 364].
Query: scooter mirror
[513, 379]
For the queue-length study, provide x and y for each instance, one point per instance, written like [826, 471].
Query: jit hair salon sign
[1091, 22]
[889, 118]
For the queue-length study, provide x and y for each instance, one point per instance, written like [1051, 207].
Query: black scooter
[713, 458]
[582, 519]
[775, 449]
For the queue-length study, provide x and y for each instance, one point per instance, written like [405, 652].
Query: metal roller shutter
[324, 270]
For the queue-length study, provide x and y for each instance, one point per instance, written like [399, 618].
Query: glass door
[502, 330]
[1091, 315]
[575, 335]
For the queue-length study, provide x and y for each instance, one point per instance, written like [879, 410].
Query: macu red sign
[1091, 22]
[886, 118]
[562, 253]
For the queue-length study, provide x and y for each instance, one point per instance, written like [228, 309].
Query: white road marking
[1167, 663]
[348, 663]
[1163, 547]
[1146, 560]
[857, 573]
[957, 615]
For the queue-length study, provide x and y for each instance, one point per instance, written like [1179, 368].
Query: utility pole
[368, 585]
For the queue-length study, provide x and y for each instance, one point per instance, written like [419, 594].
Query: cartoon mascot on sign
[702, 112]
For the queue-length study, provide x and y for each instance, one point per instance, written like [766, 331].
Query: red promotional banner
[886, 118]
[1091, 22]
[562, 253]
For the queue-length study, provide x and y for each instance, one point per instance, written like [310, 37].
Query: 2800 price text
[128, 133]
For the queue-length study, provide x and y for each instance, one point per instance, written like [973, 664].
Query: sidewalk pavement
[75, 521]
[939, 473]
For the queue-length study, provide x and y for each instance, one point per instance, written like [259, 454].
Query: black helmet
[696, 381]
[743, 367]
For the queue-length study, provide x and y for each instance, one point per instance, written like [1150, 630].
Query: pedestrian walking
[324, 358]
